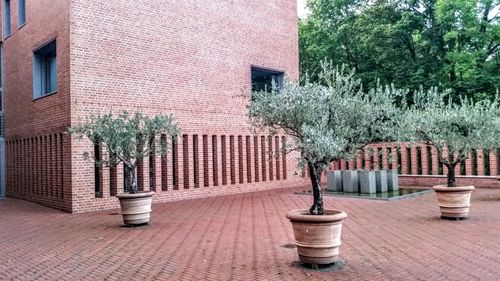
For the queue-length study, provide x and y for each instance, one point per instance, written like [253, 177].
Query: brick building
[66, 59]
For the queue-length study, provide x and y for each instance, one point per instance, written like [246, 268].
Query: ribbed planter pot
[317, 237]
[454, 202]
[136, 208]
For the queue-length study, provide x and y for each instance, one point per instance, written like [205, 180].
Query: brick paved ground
[242, 237]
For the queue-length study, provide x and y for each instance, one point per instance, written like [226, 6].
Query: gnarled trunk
[315, 175]
[451, 180]
[131, 173]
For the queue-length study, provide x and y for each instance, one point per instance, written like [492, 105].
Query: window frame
[43, 65]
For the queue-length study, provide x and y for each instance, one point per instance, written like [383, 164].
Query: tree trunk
[315, 174]
[451, 181]
[133, 180]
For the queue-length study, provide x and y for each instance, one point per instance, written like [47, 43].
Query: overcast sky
[301, 5]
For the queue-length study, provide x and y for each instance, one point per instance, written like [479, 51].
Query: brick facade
[188, 58]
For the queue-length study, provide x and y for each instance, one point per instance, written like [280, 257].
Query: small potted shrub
[127, 138]
[454, 129]
[326, 121]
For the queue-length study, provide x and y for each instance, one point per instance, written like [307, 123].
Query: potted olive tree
[326, 121]
[454, 129]
[127, 138]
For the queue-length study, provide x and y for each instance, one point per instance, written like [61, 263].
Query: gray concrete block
[367, 182]
[334, 181]
[381, 179]
[350, 181]
[392, 181]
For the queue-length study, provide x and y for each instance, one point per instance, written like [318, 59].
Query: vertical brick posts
[376, 157]
[359, 160]
[493, 163]
[480, 162]
[352, 164]
[446, 155]
[414, 159]
[368, 159]
[404, 160]
[458, 169]
[434, 161]
[343, 164]
[385, 158]
[468, 165]
[425, 159]
[395, 160]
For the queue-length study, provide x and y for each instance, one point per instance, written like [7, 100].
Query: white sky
[301, 8]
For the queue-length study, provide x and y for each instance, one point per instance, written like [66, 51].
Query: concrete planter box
[350, 181]
[367, 182]
[381, 179]
[392, 181]
[334, 181]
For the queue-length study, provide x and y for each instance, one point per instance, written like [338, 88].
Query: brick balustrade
[419, 164]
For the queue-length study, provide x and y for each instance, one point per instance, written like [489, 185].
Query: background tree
[450, 44]
[327, 120]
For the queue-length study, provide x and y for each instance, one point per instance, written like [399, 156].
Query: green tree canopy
[450, 44]
[326, 120]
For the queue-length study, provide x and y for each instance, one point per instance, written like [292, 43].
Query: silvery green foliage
[127, 138]
[458, 127]
[329, 119]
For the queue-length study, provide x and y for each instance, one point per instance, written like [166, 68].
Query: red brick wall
[33, 127]
[188, 58]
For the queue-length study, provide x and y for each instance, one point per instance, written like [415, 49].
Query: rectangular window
[265, 80]
[45, 70]
[6, 18]
[21, 12]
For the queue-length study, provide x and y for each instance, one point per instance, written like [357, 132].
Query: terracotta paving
[247, 237]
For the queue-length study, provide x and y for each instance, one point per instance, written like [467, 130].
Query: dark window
[265, 80]
[21, 12]
[45, 70]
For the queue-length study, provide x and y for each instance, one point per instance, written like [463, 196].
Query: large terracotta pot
[136, 208]
[454, 202]
[317, 237]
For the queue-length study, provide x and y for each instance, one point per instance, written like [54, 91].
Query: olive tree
[127, 138]
[454, 129]
[327, 120]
